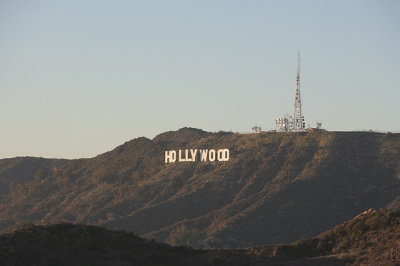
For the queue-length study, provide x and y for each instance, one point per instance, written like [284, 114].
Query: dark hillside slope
[276, 187]
[371, 238]
[68, 244]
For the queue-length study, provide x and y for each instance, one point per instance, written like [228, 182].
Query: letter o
[173, 156]
[211, 155]
[220, 155]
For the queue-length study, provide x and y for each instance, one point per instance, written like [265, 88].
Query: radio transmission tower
[298, 123]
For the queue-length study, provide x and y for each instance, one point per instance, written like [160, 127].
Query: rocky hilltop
[275, 188]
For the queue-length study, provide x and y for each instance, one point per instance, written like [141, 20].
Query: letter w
[203, 155]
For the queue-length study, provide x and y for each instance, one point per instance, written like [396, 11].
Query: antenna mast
[298, 118]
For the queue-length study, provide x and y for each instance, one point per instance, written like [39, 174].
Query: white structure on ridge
[296, 122]
[284, 123]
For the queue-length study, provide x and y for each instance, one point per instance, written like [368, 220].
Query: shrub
[183, 236]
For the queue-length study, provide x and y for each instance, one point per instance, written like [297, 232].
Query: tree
[183, 236]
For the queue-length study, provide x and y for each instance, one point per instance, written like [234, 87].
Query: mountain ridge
[276, 187]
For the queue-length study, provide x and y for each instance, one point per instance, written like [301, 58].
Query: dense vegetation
[371, 238]
[276, 188]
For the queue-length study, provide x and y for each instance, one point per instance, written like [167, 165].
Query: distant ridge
[275, 188]
[185, 135]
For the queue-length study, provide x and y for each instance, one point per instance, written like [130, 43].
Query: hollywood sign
[193, 155]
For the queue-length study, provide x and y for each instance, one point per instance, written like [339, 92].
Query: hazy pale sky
[78, 78]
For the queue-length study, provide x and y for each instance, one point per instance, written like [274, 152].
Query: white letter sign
[190, 155]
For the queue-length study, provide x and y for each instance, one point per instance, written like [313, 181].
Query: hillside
[68, 244]
[276, 187]
[371, 238]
